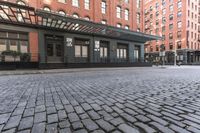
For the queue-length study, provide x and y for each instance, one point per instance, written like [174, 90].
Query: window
[103, 22]
[137, 53]
[179, 24]
[179, 45]
[87, 18]
[103, 7]
[179, 4]
[118, 12]
[126, 27]
[170, 26]
[14, 41]
[77, 51]
[157, 13]
[170, 46]
[122, 52]
[157, 48]
[170, 36]
[81, 48]
[75, 3]
[164, 11]
[75, 15]
[157, 5]
[138, 18]
[104, 49]
[2, 45]
[163, 29]
[62, 13]
[126, 1]
[171, 17]
[171, 8]
[179, 14]
[119, 25]
[47, 9]
[179, 34]
[87, 4]
[126, 14]
[62, 1]
[163, 20]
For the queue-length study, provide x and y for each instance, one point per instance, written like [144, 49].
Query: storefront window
[13, 45]
[84, 51]
[77, 51]
[122, 51]
[13, 41]
[81, 48]
[2, 45]
[24, 46]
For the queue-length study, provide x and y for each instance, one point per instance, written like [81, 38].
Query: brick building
[73, 31]
[177, 21]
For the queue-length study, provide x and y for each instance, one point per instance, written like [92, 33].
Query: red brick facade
[182, 14]
[94, 13]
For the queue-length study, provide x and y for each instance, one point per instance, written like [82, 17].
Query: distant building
[177, 21]
[73, 31]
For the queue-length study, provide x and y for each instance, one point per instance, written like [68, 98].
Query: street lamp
[175, 54]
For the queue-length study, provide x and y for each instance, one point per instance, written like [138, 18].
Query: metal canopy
[12, 13]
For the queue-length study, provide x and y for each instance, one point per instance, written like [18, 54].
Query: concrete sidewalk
[72, 70]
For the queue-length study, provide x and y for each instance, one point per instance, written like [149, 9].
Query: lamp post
[175, 54]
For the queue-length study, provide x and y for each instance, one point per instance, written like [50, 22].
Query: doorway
[54, 49]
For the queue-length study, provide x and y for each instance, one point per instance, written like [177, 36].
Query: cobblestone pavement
[131, 100]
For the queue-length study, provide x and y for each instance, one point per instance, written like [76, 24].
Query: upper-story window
[126, 1]
[126, 27]
[103, 21]
[164, 11]
[62, 13]
[157, 5]
[138, 3]
[118, 12]
[119, 25]
[126, 14]
[179, 4]
[171, 8]
[103, 7]
[47, 9]
[62, 1]
[87, 18]
[75, 3]
[87, 4]
[179, 14]
[75, 15]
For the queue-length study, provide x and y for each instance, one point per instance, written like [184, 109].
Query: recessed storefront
[54, 49]
[51, 38]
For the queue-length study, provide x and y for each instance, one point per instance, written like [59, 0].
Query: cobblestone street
[114, 100]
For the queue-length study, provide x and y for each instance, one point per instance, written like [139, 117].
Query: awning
[11, 13]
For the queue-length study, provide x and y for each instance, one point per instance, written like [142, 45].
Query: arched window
[21, 3]
[103, 21]
[75, 15]
[20, 12]
[118, 12]
[62, 13]
[46, 9]
[87, 18]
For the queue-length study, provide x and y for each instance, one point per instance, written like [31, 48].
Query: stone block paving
[133, 100]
